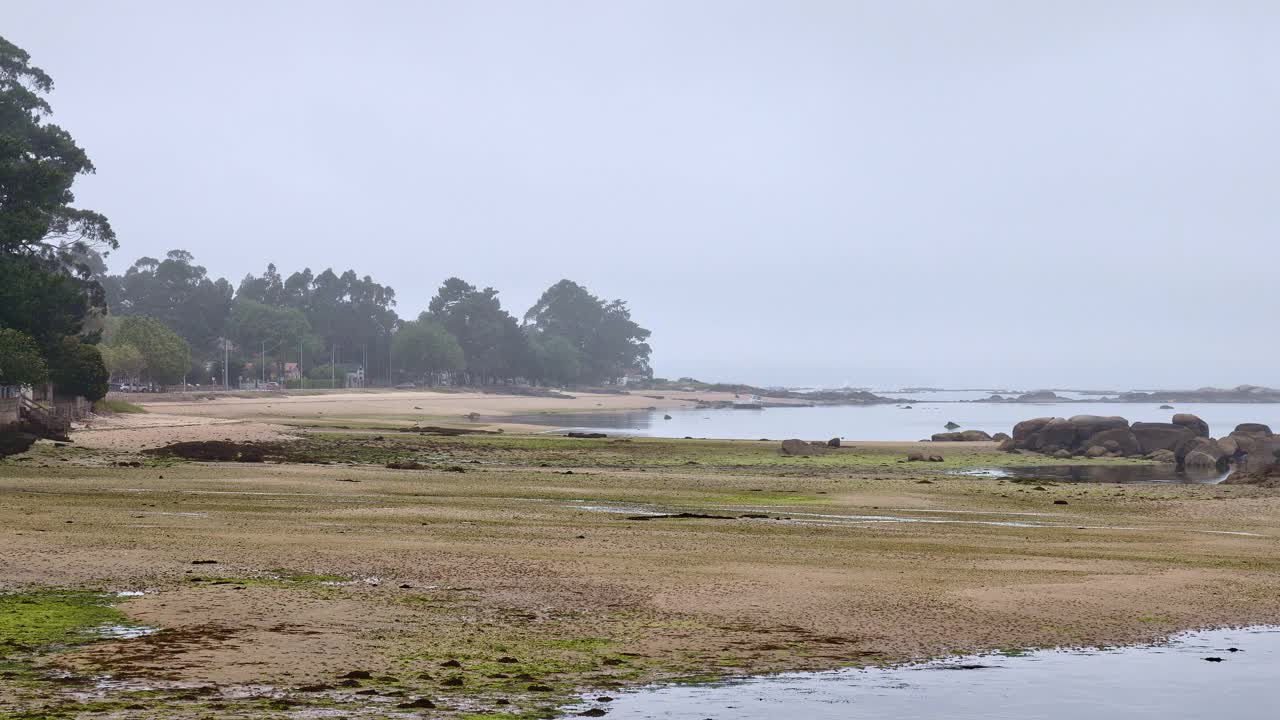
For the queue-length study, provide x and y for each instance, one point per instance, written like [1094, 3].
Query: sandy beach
[542, 565]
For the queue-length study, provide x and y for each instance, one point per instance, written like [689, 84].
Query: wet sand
[528, 549]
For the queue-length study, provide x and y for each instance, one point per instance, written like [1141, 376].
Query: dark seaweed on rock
[212, 451]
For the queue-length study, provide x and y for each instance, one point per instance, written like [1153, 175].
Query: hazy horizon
[983, 194]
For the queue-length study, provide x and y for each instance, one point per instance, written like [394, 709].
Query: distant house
[292, 371]
[635, 376]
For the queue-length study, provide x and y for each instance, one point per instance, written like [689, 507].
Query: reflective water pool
[1231, 674]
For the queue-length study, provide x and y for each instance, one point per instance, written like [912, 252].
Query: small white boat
[749, 402]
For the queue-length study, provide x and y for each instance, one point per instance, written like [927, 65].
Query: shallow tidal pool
[1224, 673]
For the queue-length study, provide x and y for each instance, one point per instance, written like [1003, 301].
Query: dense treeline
[64, 318]
[464, 337]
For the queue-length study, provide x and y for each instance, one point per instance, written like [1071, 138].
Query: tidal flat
[513, 572]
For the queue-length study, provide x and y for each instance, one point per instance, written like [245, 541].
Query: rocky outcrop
[1116, 441]
[1161, 436]
[962, 436]
[1257, 429]
[1039, 396]
[1049, 435]
[1261, 468]
[1239, 394]
[1185, 441]
[1192, 423]
[1203, 453]
[801, 448]
[1024, 431]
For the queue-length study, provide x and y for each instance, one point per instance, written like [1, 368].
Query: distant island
[1239, 394]
[863, 396]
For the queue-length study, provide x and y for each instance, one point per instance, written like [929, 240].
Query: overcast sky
[865, 193]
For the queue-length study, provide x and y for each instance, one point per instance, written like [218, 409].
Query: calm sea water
[1170, 682]
[886, 422]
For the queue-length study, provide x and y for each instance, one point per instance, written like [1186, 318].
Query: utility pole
[264, 361]
[225, 386]
[301, 385]
[333, 370]
[364, 364]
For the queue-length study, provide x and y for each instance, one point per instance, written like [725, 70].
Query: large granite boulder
[1057, 434]
[1203, 453]
[801, 448]
[1261, 468]
[1089, 425]
[1119, 440]
[1247, 435]
[1048, 435]
[1161, 436]
[1255, 429]
[1192, 423]
[1025, 430]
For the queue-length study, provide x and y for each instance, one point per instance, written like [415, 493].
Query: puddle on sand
[866, 521]
[123, 632]
[1178, 681]
[1162, 473]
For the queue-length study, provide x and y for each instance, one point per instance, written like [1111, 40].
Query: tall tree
[556, 359]
[424, 350]
[124, 362]
[491, 339]
[263, 330]
[351, 313]
[609, 342]
[39, 162]
[177, 292]
[21, 362]
[46, 289]
[166, 356]
[38, 297]
[268, 289]
[77, 368]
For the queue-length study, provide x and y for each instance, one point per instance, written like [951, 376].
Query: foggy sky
[866, 193]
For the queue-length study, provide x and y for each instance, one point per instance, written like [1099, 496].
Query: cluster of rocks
[802, 448]
[1184, 441]
[967, 436]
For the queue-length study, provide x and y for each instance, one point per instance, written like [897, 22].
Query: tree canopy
[176, 292]
[491, 340]
[609, 343]
[77, 368]
[20, 360]
[39, 162]
[123, 361]
[166, 356]
[424, 350]
[48, 298]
